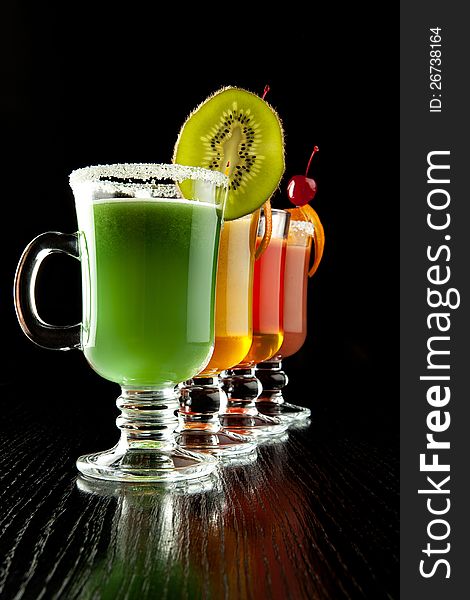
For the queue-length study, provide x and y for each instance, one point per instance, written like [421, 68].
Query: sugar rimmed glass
[148, 262]
[270, 372]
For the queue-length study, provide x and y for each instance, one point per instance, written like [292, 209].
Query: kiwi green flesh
[237, 127]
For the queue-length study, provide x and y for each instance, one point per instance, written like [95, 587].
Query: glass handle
[54, 337]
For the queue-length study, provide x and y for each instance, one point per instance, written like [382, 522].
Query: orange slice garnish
[306, 213]
[318, 236]
[268, 229]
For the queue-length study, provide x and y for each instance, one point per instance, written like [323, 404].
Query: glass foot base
[283, 411]
[146, 464]
[140, 491]
[219, 443]
[252, 426]
[274, 440]
[298, 424]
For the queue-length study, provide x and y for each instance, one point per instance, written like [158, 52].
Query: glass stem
[201, 400]
[242, 388]
[273, 379]
[148, 417]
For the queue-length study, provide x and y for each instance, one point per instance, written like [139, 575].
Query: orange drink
[202, 397]
[233, 312]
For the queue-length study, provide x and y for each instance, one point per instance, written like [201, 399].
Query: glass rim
[276, 211]
[305, 227]
[149, 174]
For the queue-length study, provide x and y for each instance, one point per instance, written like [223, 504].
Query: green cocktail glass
[148, 261]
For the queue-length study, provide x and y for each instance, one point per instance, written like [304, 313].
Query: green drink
[152, 265]
[148, 244]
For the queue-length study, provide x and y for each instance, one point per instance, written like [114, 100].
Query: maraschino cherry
[302, 189]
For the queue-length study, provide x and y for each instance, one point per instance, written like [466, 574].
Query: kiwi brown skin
[253, 177]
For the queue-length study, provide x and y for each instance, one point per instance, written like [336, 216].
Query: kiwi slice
[237, 128]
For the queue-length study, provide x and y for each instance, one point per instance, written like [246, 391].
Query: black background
[82, 87]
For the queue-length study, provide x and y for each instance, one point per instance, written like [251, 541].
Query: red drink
[243, 387]
[267, 302]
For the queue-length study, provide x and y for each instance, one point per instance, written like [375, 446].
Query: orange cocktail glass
[202, 398]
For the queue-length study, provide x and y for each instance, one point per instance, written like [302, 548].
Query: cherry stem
[315, 150]
[266, 91]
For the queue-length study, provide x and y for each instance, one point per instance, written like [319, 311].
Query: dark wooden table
[314, 517]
